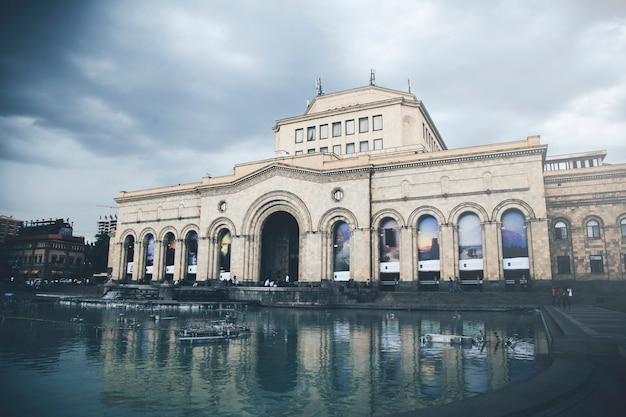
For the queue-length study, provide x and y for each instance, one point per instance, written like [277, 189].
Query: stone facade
[586, 203]
[385, 202]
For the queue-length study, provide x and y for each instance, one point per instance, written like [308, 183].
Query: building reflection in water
[308, 362]
[315, 362]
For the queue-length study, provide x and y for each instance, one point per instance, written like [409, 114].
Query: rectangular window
[323, 131]
[562, 265]
[298, 153]
[378, 144]
[364, 146]
[53, 259]
[349, 147]
[595, 262]
[71, 260]
[324, 149]
[299, 133]
[363, 124]
[310, 151]
[337, 149]
[310, 133]
[336, 129]
[377, 121]
[350, 127]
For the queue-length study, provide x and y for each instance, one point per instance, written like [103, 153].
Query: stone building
[44, 249]
[363, 187]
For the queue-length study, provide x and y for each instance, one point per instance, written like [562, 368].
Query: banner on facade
[341, 275]
[515, 263]
[471, 264]
[389, 267]
[434, 265]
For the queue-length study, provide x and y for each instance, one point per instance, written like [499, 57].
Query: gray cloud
[111, 95]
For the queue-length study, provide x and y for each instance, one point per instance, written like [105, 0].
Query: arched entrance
[280, 246]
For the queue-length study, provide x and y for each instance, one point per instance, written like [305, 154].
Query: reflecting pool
[73, 360]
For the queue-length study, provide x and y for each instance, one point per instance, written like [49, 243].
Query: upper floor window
[377, 121]
[336, 129]
[364, 146]
[324, 149]
[298, 153]
[310, 151]
[337, 149]
[560, 231]
[363, 124]
[350, 127]
[623, 227]
[299, 133]
[323, 131]
[349, 147]
[593, 229]
[310, 133]
[378, 144]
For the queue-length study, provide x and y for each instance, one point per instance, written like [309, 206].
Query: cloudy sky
[102, 96]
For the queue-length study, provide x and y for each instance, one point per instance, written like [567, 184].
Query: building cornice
[579, 176]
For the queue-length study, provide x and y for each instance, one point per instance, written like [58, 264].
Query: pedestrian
[570, 296]
[450, 285]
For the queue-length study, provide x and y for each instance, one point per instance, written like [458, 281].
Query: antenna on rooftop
[318, 87]
[372, 77]
[409, 80]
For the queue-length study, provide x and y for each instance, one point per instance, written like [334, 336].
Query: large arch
[254, 221]
[280, 248]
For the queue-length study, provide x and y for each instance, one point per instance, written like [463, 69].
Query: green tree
[97, 256]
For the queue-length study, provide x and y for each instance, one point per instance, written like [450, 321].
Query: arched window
[192, 254]
[224, 242]
[149, 257]
[623, 227]
[593, 229]
[341, 251]
[560, 231]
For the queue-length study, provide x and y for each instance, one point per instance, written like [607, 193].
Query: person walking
[570, 297]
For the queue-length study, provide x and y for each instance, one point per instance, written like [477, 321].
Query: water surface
[72, 360]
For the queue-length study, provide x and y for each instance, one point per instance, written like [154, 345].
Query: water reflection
[296, 362]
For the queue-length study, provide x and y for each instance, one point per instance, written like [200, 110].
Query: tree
[97, 254]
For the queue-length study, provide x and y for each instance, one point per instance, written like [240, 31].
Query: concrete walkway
[587, 376]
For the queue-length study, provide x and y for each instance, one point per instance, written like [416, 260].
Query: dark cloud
[109, 95]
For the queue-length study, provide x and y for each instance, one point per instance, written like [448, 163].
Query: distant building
[363, 187]
[9, 227]
[108, 224]
[44, 249]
